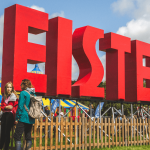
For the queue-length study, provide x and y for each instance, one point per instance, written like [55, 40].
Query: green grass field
[144, 147]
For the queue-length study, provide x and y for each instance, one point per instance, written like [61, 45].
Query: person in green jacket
[23, 120]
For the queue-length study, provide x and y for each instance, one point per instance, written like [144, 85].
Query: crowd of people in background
[141, 112]
[14, 112]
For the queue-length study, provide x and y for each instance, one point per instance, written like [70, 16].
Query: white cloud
[138, 27]
[142, 9]
[38, 38]
[75, 69]
[103, 60]
[38, 8]
[61, 14]
[123, 6]
[134, 8]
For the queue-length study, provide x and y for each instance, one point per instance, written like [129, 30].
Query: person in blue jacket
[23, 120]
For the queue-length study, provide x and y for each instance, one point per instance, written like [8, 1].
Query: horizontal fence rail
[84, 133]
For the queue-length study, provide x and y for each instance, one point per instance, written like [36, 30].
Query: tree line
[127, 107]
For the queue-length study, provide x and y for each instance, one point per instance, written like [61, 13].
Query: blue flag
[54, 105]
[97, 110]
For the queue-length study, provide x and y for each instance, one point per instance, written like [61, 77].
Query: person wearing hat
[46, 111]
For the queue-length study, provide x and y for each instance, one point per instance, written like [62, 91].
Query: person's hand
[9, 107]
[16, 122]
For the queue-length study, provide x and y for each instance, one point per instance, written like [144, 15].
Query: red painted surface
[124, 65]
[17, 51]
[136, 72]
[59, 56]
[115, 46]
[90, 67]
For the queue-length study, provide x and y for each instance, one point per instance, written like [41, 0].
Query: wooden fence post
[94, 133]
[119, 134]
[146, 129]
[75, 131]
[71, 133]
[140, 133]
[51, 135]
[46, 132]
[128, 130]
[102, 132]
[85, 127]
[80, 138]
[149, 128]
[105, 127]
[109, 132]
[143, 131]
[134, 130]
[61, 133]
[116, 125]
[41, 122]
[97, 124]
[90, 131]
[66, 132]
[137, 125]
[112, 130]
[56, 134]
[82, 131]
[125, 129]
[131, 131]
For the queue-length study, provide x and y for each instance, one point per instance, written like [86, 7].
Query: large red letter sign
[59, 56]
[115, 46]
[17, 51]
[91, 69]
[136, 72]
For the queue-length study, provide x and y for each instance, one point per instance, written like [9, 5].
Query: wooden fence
[87, 134]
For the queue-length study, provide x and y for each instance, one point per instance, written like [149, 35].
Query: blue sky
[126, 17]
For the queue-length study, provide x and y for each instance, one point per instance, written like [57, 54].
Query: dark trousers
[7, 122]
[20, 128]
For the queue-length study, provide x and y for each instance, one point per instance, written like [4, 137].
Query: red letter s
[90, 67]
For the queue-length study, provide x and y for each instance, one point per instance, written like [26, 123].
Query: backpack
[35, 106]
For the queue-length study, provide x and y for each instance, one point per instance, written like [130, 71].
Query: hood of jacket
[12, 97]
[30, 90]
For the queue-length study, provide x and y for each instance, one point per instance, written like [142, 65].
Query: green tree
[127, 107]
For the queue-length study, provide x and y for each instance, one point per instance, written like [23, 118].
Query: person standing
[25, 122]
[91, 112]
[8, 106]
[46, 111]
